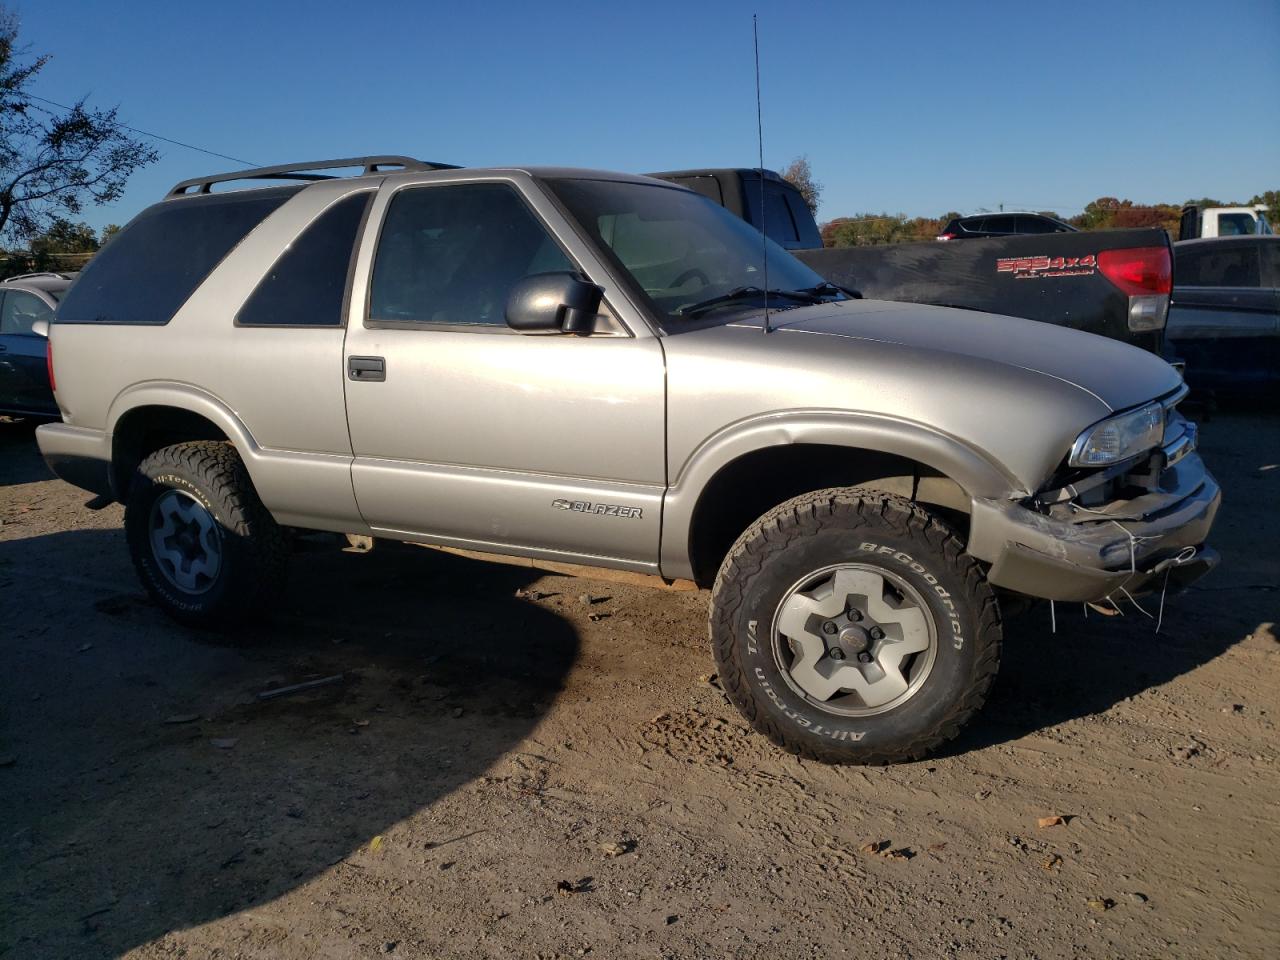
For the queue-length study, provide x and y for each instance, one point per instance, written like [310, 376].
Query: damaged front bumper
[1150, 541]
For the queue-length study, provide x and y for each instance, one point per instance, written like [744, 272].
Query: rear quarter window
[147, 272]
[306, 287]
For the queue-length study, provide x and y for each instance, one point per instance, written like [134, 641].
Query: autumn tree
[53, 161]
[800, 176]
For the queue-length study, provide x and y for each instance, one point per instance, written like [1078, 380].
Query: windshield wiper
[744, 293]
[826, 288]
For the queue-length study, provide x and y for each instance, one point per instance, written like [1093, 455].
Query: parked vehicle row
[591, 367]
[1115, 283]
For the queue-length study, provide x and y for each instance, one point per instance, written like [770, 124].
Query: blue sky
[904, 106]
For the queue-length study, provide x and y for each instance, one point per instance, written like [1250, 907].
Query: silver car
[611, 370]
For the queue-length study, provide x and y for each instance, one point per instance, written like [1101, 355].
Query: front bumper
[1135, 546]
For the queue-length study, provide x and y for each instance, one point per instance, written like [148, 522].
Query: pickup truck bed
[1053, 278]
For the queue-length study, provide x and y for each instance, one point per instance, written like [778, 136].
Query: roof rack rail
[297, 171]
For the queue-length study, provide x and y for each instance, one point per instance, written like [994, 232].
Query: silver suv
[611, 370]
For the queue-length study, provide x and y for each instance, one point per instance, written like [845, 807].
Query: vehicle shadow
[146, 788]
[18, 448]
[1091, 662]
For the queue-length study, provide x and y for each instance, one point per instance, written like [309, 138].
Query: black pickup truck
[1114, 282]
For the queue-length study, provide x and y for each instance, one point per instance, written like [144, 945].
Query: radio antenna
[764, 239]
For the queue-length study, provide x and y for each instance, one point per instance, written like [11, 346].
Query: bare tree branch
[54, 163]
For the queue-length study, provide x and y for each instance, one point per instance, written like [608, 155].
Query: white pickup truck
[1203, 222]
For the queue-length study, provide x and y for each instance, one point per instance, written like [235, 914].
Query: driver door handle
[367, 368]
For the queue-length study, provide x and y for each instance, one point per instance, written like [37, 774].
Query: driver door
[468, 433]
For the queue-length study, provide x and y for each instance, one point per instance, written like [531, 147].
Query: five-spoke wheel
[854, 639]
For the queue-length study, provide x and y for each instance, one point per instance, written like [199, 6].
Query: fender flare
[976, 473]
[182, 396]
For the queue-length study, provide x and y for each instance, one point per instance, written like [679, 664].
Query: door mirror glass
[559, 302]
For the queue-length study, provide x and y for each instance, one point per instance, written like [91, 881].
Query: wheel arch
[152, 416]
[738, 475]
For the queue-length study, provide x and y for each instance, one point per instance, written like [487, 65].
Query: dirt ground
[527, 765]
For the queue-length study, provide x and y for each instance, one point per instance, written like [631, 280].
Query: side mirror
[41, 328]
[545, 302]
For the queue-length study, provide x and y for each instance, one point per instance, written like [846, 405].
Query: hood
[1117, 374]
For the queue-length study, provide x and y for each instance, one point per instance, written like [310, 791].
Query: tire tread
[783, 526]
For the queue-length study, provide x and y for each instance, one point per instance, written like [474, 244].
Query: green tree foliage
[1105, 213]
[109, 231]
[54, 162]
[63, 236]
[1108, 213]
[871, 228]
[800, 176]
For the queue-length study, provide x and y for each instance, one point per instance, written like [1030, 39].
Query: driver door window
[450, 255]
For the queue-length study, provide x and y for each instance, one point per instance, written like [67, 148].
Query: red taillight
[48, 364]
[1138, 270]
[946, 236]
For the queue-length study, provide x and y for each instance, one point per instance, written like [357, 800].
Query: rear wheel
[204, 546]
[850, 627]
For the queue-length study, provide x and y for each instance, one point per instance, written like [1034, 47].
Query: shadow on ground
[147, 789]
[18, 449]
[144, 788]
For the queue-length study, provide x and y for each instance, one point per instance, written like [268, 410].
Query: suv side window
[308, 283]
[451, 254]
[147, 272]
[1032, 225]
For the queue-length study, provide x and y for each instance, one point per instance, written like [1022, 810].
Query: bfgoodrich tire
[204, 546]
[851, 627]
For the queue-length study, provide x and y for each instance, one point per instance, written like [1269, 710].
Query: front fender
[977, 474]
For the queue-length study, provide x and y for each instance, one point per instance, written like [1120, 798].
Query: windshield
[683, 250]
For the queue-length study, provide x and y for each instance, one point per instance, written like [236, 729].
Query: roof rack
[297, 171]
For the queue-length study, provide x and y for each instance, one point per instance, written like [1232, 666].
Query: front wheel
[850, 627]
[203, 544]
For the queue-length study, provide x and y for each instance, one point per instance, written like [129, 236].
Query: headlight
[1119, 438]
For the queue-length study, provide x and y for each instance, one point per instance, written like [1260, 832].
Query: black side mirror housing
[559, 302]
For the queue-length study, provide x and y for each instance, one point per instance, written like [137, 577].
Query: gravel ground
[522, 764]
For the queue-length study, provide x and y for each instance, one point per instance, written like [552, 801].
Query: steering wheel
[688, 275]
